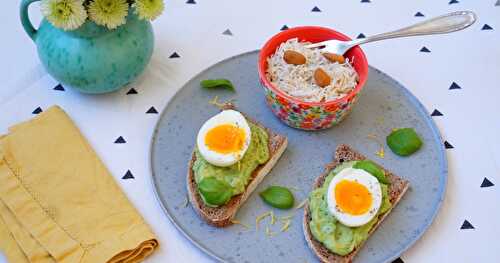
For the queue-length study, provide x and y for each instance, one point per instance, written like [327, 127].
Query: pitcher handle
[25, 20]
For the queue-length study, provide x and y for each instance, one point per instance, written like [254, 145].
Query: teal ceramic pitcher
[92, 58]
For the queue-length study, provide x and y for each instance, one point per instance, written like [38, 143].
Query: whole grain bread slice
[396, 189]
[223, 215]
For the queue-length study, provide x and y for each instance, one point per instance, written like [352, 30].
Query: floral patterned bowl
[310, 115]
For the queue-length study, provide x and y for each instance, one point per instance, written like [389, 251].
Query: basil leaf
[278, 197]
[217, 83]
[214, 192]
[404, 141]
[373, 169]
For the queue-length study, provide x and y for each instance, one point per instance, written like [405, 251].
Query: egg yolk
[352, 197]
[226, 138]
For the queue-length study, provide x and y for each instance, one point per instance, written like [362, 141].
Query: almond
[334, 57]
[294, 57]
[321, 78]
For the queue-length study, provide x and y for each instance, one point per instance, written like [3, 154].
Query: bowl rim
[268, 84]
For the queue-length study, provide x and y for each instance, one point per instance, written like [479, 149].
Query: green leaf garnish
[373, 169]
[214, 192]
[217, 83]
[404, 141]
[278, 197]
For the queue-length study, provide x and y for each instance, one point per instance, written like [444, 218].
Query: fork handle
[439, 25]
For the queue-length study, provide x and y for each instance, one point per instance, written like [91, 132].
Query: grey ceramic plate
[383, 105]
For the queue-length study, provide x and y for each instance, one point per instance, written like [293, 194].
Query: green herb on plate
[404, 141]
[278, 197]
[217, 83]
[373, 169]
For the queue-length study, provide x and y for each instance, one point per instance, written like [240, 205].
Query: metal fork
[438, 25]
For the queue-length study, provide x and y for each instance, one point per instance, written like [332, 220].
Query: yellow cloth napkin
[59, 203]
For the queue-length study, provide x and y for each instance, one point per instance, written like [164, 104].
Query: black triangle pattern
[425, 50]
[131, 91]
[487, 27]
[419, 14]
[37, 110]
[455, 86]
[120, 140]
[174, 55]
[436, 113]
[448, 145]
[227, 32]
[398, 260]
[486, 183]
[316, 9]
[466, 225]
[453, 2]
[365, 1]
[361, 35]
[152, 110]
[128, 175]
[59, 87]
[284, 27]
[191, 2]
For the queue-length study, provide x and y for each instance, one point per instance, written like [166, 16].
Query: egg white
[225, 117]
[361, 177]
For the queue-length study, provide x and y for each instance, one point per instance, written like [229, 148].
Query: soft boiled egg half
[354, 197]
[224, 138]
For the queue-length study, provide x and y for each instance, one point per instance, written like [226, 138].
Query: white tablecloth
[468, 225]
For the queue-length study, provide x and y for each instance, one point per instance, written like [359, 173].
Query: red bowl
[310, 115]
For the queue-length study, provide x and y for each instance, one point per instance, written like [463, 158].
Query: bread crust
[397, 189]
[222, 216]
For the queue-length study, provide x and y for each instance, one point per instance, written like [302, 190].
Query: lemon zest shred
[273, 218]
[302, 204]
[261, 217]
[269, 233]
[214, 101]
[220, 105]
[237, 222]
[380, 153]
[284, 218]
[286, 225]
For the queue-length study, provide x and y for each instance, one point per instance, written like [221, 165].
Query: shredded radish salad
[298, 80]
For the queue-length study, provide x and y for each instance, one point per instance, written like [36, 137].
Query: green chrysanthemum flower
[65, 14]
[109, 13]
[148, 9]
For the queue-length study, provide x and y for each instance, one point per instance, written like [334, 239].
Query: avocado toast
[394, 192]
[222, 215]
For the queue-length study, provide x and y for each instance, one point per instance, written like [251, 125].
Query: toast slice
[397, 189]
[223, 215]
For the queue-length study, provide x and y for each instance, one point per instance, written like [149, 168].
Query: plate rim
[407, 93]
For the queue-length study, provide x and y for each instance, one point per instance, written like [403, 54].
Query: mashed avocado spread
[234, 178]
[338, 238]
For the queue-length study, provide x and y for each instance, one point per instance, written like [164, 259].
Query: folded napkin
[59, 203]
